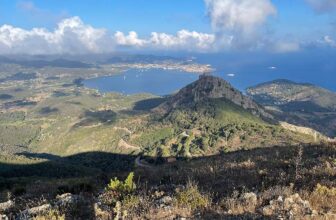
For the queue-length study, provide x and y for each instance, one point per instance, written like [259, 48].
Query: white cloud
[70, 36]
[231, 74]
[285, 47]
[184, 39]
[236, 24]
[131, 39]
[272, 67]
[329, 41]
[241, 24]
[73, 36]
[238, 16]
[325, 41]
[323, 6]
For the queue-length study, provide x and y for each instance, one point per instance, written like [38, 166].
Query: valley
[58, 136]
[167, 110]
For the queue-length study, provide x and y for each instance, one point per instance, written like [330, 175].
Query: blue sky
[144, 16]
[244, 38]
[298, 18]
[273, 25]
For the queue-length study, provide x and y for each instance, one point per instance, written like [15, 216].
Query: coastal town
[181, 66]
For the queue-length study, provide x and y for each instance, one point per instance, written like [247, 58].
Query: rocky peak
[209, 87]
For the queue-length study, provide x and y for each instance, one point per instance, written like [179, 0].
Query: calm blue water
[309, 66]
[155, 81]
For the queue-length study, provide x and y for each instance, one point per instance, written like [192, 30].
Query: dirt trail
[123, 129]
[141, 163]
[124, 145]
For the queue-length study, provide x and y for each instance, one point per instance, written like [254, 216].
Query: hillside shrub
[323, 198]
[117, 190]
[123, 187]
[192, 198]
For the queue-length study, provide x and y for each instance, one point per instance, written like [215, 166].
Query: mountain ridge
[288, 91]
[210, 116]
[301, 104]
[282, 81]
[211, 87]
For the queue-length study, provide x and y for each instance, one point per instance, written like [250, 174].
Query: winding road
[140, 163]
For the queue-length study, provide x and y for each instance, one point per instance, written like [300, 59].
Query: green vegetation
[210, 127]
[8, 117]
[51, 215]
[154, 137]
[192, 198]
[57, 137]
[258, 183]
[120, 191]
[123, 187]
[70, 120]
[298, 103]
[18, 134]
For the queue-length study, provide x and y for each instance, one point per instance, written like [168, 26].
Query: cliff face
[210, 87]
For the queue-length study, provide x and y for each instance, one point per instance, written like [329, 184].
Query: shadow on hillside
[148, 104]
[48, 110]
[74, 102]
[19, 103]
[78, 165]
[54, 175]
[60, 94]
[44, 156]
[252, 170]
[90, 118]
[5, 96]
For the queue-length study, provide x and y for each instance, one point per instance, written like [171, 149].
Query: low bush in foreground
[279, 182]
[323, 198]
[191, 198]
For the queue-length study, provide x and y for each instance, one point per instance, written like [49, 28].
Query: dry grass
[191, 198]
[51, 215]
[323, 199]
[225, 182]
[237, 205]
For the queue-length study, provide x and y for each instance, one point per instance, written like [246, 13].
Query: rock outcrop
[209, 87]
[292, 207]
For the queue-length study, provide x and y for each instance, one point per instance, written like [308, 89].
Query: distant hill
[210, 116]
[54, 63]
[67, 61]
[209, 87]
[140, 59]
[20, 76]
[282, 92]
[40, 63]
[298, 103]
[4, 59]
